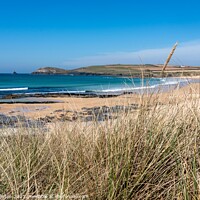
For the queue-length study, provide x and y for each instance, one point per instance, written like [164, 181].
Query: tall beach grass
[152, 153]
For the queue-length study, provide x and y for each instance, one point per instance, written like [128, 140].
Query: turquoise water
[27, 83]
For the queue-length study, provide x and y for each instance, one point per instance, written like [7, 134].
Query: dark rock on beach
[96, 113]
[19, 121]
[10, 120]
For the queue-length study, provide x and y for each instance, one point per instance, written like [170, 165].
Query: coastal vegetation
[148, 70]
[151, 153]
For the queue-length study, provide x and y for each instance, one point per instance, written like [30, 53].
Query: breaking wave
[13, 89]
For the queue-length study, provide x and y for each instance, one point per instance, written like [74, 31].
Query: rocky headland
[136, 71]
[50, 70]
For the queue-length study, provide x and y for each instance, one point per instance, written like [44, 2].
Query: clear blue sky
[75, 33]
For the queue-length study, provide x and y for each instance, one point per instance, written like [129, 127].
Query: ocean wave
[165, 83]
[168, 83]
[110, 90]
[13, 89]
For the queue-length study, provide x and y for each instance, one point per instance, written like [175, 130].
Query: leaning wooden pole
[169, 58]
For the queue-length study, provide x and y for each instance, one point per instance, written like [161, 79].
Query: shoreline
[107, 93]
[67, 106]
[47, 109]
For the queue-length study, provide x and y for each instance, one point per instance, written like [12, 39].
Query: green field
[137, 70]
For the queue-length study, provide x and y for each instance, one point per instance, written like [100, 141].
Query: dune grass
[153, 153]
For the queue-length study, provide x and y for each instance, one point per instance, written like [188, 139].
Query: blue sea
[43, 84]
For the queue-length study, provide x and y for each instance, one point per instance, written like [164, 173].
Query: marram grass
[153, 153]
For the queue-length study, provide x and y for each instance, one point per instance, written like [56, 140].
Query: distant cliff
[50, 70]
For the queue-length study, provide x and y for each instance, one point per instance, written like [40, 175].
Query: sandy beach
[38, 110]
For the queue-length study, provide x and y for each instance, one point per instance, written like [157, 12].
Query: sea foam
[13, 89]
